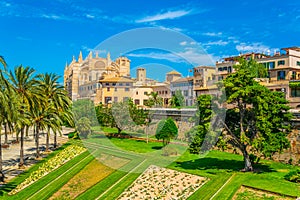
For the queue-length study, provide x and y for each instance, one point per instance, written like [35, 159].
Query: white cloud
[213, 34]
[165, 15]
[189, 54]
[90, 16]
[255, 47]
[219, 43]
[52, 16]
[183, 43]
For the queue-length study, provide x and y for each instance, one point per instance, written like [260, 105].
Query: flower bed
[53, 163]
[162, 183]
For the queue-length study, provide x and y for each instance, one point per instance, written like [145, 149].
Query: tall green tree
[202, 121]
[4, 98]
[166, 130]
[257, 120]
[154, 100]
[177, 99]
[23, 82]
[57, 103]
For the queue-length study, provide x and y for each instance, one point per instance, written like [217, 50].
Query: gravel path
[11, 155]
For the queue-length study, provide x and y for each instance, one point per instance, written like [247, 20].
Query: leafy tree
[121, 116]
[138, 115]
[177, 100]
[84, 108]
[83, 127]
[154, 100]
[104, 115]
[257, 119]
[202, 119]
[166, 130]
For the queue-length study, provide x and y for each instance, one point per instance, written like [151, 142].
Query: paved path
[11, 156]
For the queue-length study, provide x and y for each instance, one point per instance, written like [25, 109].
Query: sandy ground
[11, 155]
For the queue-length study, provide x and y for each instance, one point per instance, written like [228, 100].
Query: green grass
[217, 166]
[54, 186]
[19, 179]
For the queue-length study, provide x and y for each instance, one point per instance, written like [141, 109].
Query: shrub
[73, 135]
[293, 176]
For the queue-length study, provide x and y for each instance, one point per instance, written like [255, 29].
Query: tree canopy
[257, 119]
[166, 130]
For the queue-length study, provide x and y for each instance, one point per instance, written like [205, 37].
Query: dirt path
[11, 155]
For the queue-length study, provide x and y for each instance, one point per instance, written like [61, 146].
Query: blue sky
[46, 34]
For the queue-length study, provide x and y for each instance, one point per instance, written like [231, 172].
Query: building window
[294, 75]
[127, 84]
[295, 92]
[166, 92]
[106, 83]
[125, 99]
[229, 69]
[126, 89]
[185, 92]
[115, 99]
[271, 65]
[298, 63]
[145, 93]
[108, 89]
[137, 102]
[281, 62]
[136, 92]
[120, 84]
[116, 89]
[114, 84]
[107, 100]
[281, 75]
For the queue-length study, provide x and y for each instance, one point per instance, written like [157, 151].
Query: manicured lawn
[217, 166]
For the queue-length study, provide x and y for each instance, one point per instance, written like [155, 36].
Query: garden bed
[162, 183]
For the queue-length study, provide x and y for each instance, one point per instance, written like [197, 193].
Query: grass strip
[32, 189]
[210, 188]
[102, 186]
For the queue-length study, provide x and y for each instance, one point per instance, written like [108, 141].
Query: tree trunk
[47, 139]
[55, 140]
[5, 133]
[1, 172]
[21, 164]
[248, 164]
[37, 138]
[27, 130]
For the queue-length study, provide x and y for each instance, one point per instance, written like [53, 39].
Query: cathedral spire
[90, 56]
[108, 56]
[66, 65]
[97, 54]
[74, 59]
[80, 57]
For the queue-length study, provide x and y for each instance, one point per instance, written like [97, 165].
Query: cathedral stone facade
[82, 76]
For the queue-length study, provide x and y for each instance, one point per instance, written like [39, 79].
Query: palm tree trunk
[1, 172]
[37, 135]
[47, 139]
[5, 133]
[27, 130]
[21, 164]
[55, 140]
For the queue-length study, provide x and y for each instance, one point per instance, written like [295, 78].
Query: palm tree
[154, 99]
[2, 61]
[3, 109]
[23, 82]
[58, 100]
